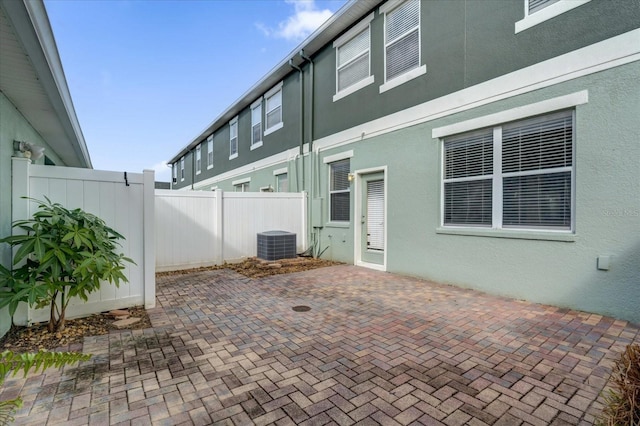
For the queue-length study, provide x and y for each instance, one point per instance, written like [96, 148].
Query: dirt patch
[257, 268]
[36, 337]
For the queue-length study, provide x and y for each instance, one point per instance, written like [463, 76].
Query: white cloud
[163, 172]
[305, 19]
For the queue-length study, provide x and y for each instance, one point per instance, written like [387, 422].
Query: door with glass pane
[373, 218]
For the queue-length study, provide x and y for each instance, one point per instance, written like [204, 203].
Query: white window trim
[198, 153]
[182, 169]
[520, 113]
[280, 171]
[345, 38]
[337, 157]
[233, 121]
[551, 11]
[401, 79]
[210, 140]
[240, 181]
[271, 92]
[409, 75]
[256, 144]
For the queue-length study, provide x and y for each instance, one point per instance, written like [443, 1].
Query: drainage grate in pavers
[301, 308]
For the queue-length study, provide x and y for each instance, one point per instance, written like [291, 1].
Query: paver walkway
[374, 348]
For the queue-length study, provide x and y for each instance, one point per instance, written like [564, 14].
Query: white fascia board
[546, 106]
[607, 54]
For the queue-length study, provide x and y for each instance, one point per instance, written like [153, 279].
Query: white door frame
[359, 192]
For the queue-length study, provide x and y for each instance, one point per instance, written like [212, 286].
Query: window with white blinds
[233, 138]
[210, 152]
[273, 110]
[256, 125]
[536, 5]
[529, 165]
[375, 215]
[182, 169]
[402, 39]
[352, 60]
[198, 159]
[175, 172]
[339, 191]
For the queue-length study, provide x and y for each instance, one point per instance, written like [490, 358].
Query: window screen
[339, 191]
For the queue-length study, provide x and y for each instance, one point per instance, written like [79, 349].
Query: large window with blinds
[198, 159]
[519, 175]
[256, 124]
[273, 109]
[339, 191]
[402, 39]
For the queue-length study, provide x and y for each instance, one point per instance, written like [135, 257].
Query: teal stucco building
[487, 144]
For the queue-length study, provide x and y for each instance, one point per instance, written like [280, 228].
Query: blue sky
[146, 76]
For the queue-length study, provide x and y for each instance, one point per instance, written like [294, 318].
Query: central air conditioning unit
[275, 245]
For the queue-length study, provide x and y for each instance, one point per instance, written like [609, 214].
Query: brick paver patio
[375, 348]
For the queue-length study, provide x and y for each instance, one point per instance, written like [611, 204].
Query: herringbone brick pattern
[375, 348]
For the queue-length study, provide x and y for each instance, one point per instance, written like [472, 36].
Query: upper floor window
[516, 176]
[210, 152]
[339, 191]
[175, 172]
[353, 64]
[535, 5]
[233, 138]
[402, 39]
[182, 169]
[538, 11]
[198, 159]
[273, 109]
[256, 124]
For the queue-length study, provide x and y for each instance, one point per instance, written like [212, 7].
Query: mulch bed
[36, 337]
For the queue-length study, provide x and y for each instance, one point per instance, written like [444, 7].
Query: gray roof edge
[347, 15]
[42, 27]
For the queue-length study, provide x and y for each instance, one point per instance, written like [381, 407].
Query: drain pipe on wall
[301, 74]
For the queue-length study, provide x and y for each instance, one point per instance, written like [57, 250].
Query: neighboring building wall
[13, 126]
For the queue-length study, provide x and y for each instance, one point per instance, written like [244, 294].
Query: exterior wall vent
[274, 245]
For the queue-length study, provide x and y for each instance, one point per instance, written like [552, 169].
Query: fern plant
[12, 364]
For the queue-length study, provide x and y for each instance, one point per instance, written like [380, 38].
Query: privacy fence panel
[199, 228]
[121, 203]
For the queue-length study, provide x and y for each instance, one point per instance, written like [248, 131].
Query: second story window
[182, 169]
[233, 138]
[401, 43]
[175, 172]
[536, 5]
[353, 65]
[198, 159]
[273, 109]
[210, 152]
[256, 124]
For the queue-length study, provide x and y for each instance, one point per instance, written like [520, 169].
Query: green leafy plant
[11, 363]
[622, 403]
[63, 254]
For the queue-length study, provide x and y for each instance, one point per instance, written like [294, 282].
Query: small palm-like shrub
[622, 403]
[63, 253]
[11, 363]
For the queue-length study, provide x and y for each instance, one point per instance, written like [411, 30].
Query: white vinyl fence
[200, 228]
[125, 205]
